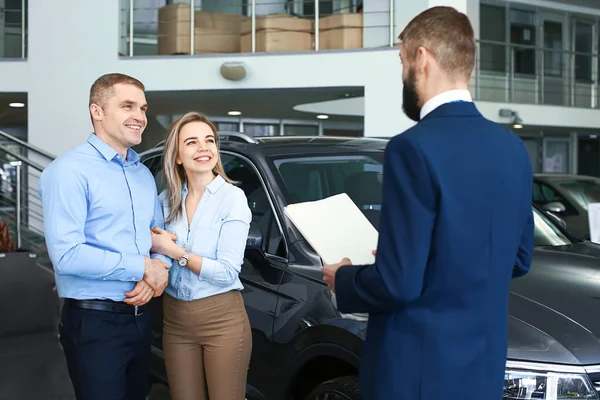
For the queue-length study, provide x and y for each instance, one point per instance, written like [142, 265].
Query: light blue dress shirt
[218, 234]
[98, 212]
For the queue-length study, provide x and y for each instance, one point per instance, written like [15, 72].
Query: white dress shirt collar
[443, 98]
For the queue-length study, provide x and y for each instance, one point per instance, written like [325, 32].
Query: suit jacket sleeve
[406, 225]
[523, 261]
[525, 252]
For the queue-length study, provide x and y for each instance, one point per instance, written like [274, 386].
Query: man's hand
[141, 294]
[156, 275]
[330, 270]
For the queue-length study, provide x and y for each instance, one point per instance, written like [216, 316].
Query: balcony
[253, 26]
[510, 73]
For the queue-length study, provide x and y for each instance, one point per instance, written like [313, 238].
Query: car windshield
[315, 177]
[582, 191]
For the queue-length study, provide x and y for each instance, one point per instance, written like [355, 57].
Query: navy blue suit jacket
[456, 225]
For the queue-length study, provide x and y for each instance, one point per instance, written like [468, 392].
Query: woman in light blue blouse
[206, 335]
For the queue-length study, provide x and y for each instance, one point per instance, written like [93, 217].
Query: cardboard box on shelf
[277, 33]
[341, 31]
[213, 32]
[174, 29]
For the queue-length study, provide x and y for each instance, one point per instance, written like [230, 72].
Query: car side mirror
[557, 220]
[555, 207]
[255, 238]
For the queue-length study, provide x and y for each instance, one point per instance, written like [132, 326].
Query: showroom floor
[32, 367]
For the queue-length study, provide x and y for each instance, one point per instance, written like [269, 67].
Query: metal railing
[514, 73]
[20, 167]
[251, 26]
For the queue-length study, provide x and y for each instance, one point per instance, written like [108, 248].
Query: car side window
[263, 216]
[544, 194]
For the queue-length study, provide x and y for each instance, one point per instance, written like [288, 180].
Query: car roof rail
[236, 137]
[226, 136]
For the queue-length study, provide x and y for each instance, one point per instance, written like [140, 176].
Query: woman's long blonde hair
[174, 173]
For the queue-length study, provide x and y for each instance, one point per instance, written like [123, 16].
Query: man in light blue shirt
[99, 205]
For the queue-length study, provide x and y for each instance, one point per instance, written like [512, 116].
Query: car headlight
[523, 380]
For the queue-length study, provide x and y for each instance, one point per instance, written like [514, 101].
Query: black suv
[304, 348]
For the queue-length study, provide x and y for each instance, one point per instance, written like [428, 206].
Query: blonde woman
[206, 335]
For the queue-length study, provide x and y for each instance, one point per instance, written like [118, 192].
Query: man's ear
[421, 59]
[96, 112]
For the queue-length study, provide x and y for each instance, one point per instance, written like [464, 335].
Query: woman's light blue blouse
[218, 233]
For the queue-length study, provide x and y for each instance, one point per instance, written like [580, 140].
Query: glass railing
[253, 26]
[534, 75]
[13, 29]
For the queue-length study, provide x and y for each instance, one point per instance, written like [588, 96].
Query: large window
[493, 38]
[522, 40]
[553, 48]
[583, 44]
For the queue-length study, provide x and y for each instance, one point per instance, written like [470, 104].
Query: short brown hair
[447, 34]
[102, 88]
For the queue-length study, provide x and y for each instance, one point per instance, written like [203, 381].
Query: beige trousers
[207, 345]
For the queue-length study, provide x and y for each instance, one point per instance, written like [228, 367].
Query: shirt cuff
[163, 258]
[208, 269]
[134, 266]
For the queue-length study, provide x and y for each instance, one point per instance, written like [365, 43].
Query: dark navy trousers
[107, 353]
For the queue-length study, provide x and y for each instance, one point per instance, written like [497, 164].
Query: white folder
[594, 221]
[335, 228]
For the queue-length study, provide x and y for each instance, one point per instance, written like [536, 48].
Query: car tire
[344, 388]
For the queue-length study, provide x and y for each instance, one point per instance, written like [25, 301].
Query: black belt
[117, 307]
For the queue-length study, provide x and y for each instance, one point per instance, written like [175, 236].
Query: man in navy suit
[456, 225]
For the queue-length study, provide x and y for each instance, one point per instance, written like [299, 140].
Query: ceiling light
[233, 112]
[322, 116]
[517, 126]
[17, 105]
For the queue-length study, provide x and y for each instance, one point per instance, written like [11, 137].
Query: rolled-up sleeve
[64, 194]
[230, 246]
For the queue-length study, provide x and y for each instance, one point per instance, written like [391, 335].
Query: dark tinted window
[263, 216]
[583, 192]
[316, 177]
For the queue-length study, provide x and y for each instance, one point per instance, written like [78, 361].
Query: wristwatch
[184, 259]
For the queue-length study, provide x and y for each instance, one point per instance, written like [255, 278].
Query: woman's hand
[163, 242]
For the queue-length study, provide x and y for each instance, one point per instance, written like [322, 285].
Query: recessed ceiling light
[233, 112]
[17, 105]
[322, 116]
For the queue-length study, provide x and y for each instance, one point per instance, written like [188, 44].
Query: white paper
[594, 221]
[336, 228]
